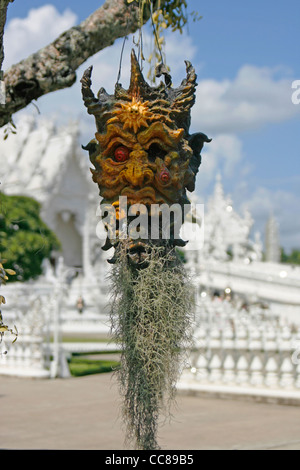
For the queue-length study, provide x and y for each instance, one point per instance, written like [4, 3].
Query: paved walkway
[83, 413]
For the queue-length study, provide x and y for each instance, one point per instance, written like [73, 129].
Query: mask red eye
[165, 176]
[121, 154]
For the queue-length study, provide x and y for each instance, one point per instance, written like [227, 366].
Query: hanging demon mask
[143, 152]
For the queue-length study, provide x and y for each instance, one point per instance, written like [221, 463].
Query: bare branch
[54, 67]
[3, 11]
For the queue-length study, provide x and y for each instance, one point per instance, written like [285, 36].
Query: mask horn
[89, 99]
[138, 85]
[185, 98]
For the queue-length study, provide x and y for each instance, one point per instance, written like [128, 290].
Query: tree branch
[3, 11]
[54, 67]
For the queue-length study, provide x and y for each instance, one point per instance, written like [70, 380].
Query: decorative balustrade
[28, 356]
[42, 315]
[241, 347]
[25, 358]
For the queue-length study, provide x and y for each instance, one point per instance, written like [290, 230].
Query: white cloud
[67, 104]
[180, 47]
[23, 36]
[224, 154]
[254, 98]
[106, 62]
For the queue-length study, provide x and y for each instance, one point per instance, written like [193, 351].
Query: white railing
[25, 358]
[238, 347]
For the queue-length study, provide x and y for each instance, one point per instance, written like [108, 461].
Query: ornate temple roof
[34, 160]
[226, 232]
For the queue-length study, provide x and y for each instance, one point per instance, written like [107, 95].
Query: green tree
[25, 240]
[292, 258]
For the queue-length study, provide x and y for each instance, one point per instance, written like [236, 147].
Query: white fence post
[244, 348]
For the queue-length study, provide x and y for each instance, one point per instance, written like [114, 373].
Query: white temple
[48, 164]
[227, 235]
[230, 259]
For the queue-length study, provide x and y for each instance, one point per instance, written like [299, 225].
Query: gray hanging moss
[152, 312]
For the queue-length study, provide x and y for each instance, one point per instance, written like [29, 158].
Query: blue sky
[246, 55]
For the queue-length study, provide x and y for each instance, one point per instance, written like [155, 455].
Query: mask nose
[137, 174]
[134, 174]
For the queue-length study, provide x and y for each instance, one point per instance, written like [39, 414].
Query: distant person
[80, 304]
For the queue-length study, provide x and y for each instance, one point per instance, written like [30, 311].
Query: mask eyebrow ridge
[114, 134]
[162, 134]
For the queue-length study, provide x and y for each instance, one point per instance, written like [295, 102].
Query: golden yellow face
[141, 158]
[142, 148]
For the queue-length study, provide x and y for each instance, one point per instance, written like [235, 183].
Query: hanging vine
[172, 15]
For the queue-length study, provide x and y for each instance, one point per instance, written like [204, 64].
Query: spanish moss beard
[151, 320]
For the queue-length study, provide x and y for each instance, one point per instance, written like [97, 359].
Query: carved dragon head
[142, 148]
